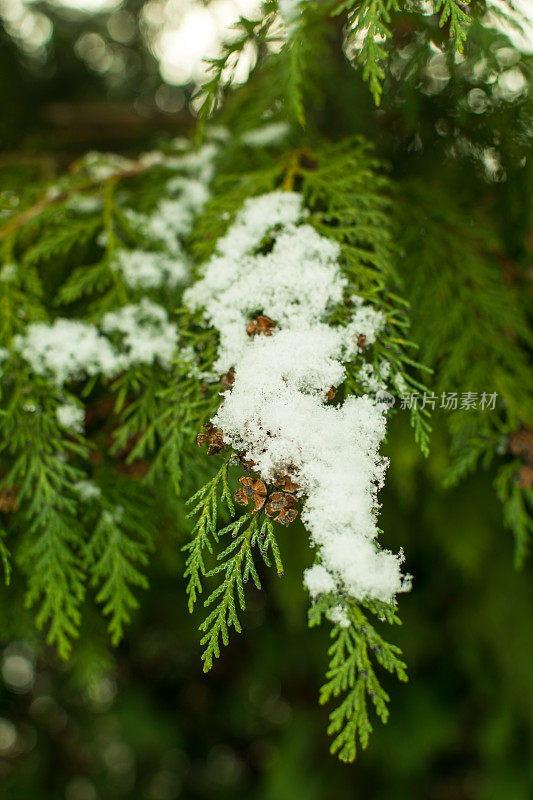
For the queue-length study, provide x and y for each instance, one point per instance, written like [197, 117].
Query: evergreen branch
[267, 540]
[138, 393]
[167, 459]
[205, 503]
[21, 295]
[114, 559]
[42, 471]
[101, 278]
[368, 31]
[60, 196]
[351, 675]
[517, 505]
[348, 187]
[294, 56]
[451, 12]
[222, 69]
[482, 336]
[55, 576]
[296, 66]
[65, 234]
[237, 566]
[5, 557]
[84, 281]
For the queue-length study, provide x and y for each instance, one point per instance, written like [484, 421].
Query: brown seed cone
[249, 465]
[228, 380]
[279, 501]
[525, 477]
[262, 325]
[215, 448]
[252, 489]
[259, 502]
[521, 444]
[265, 324]
[286, 516]
[290, 486]
[205, 434]
[8, 499]
[213, 436]
[241, 498]
[285, 483]
[361, 341]
[260, 488]
[251, 328]
[247, 484]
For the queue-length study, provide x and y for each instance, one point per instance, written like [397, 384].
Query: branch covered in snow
[277, 413]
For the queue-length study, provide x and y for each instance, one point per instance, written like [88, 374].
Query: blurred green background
[143, 722]
[148, 723]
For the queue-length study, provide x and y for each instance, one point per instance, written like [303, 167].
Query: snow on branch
[274, 267]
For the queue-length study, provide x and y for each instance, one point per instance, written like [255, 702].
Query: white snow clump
[271, 262]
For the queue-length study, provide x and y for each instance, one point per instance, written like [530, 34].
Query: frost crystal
[266, 135]
[66, 350]
[256, 218]
[87, 490]
[294, 284]
[366, 321]
[173, 218]
[145, 332]
[370, 380]
[290, 10]
[338, 616]
[318, 580]
[71, 416]
[276, 412]
[144, 269]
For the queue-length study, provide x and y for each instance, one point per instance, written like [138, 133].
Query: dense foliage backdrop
[140, 720]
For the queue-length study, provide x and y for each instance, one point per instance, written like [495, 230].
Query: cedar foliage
[407, 247]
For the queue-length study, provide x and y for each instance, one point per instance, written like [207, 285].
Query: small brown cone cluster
[213, 437]
[261, 325]
[247, 464]
[252, 489]
[285, 483]
[521, 444]
[279, 505]
[228, 380]
[361, 341]
[8, 499]
[525, 476]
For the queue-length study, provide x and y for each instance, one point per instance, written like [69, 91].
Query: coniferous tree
[232, 322]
